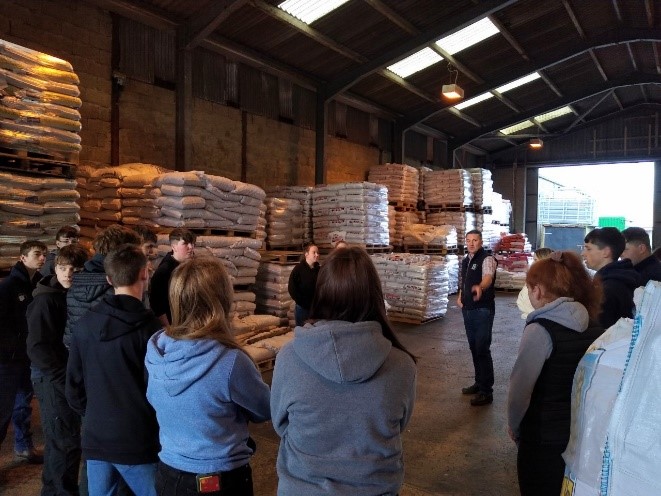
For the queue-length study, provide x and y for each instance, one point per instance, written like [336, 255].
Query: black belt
[192, 480]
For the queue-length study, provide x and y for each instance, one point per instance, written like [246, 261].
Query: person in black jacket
[15, 388]
[107, 383]
[639, 251]
[182, 242]
[46, 317]
[302, 281]
[601, 251]
[65, 236]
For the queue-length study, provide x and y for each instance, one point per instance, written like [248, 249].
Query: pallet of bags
[304, 195]
[271, 290]
[482, 187]
[462, 221]
[440, 237]
[284, 223]
[453, 187]
[401, 180]
[33, 208]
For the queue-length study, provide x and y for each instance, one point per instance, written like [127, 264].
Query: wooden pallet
[448, 207]
[426, 249]
[210, 231]
[483, 210]
[266, 365]
[404, 206]
[297, 247]
[281, 257]
[412, 320]
[36, 163]
[377, 248]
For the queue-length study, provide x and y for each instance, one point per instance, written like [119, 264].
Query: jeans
[173, 482]
[479, 323]
[540, 468]
[103, 478]
[15, 397]
[61, 427]
[301, 315]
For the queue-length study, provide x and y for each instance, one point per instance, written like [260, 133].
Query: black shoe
[474, 389]
[482, 399]
[32, 455]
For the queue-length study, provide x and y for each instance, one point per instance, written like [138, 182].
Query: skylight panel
[553, 114]
[469, 36]
[518, 82]
[309, 11]
[517, 127]
[474, 100]
[416, 62]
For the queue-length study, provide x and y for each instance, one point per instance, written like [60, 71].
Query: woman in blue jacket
[204, 388]
[343, 389]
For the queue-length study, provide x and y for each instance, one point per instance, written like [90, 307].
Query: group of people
[141, 374]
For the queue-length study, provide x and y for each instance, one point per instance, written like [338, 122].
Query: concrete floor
[450, 448]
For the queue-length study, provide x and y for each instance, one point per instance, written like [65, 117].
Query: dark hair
[306, 249]
[66, 232]
[28, 245]
[563, 274]
[543, 253]
[75, 255]
[124, 264]
[637, 236]
[181, 233]
[348, 288]
[112, 237]
[147, 235]
[475, 231]
[607, 237]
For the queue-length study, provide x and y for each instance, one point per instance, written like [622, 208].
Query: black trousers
[540, 468]
[61, 426]
[173, 482]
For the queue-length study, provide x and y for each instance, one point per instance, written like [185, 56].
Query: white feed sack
[462, 221]
[425, 234]
[482, 187]
[359, 210]
[448, 187]
[401, 180]
[33, 208]
[415, 286]
[452, 264]
[284, 222]
[402, 221]
[304, 195]
[271, 290]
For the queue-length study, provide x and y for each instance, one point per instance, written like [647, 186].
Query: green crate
[618, 222]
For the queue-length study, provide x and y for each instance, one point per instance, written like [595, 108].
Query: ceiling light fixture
[536, 143]
[452, 91]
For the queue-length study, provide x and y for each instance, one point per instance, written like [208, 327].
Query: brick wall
[276, 153]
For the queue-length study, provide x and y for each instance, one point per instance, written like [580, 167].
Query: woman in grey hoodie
[343, 389]
[556, 335]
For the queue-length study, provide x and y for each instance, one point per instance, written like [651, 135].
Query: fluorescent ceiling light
[416, 62]
[518, 82]
[453, 91]
[474, 100]
[536, 143]
[517, 127]
[309, 11]
[469, 36]
[553, 114]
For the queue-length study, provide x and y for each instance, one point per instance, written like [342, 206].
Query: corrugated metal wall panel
[415, 145]
[209, 78]
[358, 126]
[286, 99]
[305, 108]
[165, 57]
[340, 118]
[271, 93]
[330, 117]
[385, 135]
[232, 83]
[136, 43]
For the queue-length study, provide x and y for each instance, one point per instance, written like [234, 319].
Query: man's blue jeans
[103, 478]
[301, 315]
[479, 323]
[15, 397]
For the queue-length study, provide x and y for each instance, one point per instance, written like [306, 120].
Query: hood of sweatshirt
[621, 271]
[340, 351]
[179, 363]
[564, 311]
[48, 284]
[117, 315]
[95, 264]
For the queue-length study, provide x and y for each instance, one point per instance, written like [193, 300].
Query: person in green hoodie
[46, 317]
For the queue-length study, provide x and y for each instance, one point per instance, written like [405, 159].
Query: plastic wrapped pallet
[414, 286]
[434, 236]
[284, 223]
[271, 290]
[402, 222]
[358, 210]
[448, 187]
[509, 280]
[304, 195]
[482, 187]
[401, 180]
[462, 221]
[452, 265]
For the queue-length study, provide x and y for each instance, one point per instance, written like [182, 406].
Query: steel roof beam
[199, 28]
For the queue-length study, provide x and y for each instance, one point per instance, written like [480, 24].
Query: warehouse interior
[245, 90]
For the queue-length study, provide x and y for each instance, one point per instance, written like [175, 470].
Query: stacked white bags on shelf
[490, 231]
[198, 200]
[462, 221]
[401, 180]
[448, 187]
[304, 195]
[502, 209]
[284, 223]
[415, 286]
[509, 280]
[33, 208]
[482, 187]
[453, 264]
[271, 290]
[38, 102]
[429, 235]
[355, 212]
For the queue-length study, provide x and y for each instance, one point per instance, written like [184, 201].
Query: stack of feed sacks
[441, 237]
[262, 337]
[260, 231]
[422, 172]
[272, 295]
[401, 180]
[354, 212]
[448, 188]
[452, 264]
[482, 187]
[33, 208]
[392, 226]
[403, 222]
[39, 98]
[502, 210]
[462, 221]
[304, 195]
[198, 200]
[490, 231]
[284, 223]
[415, 286]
